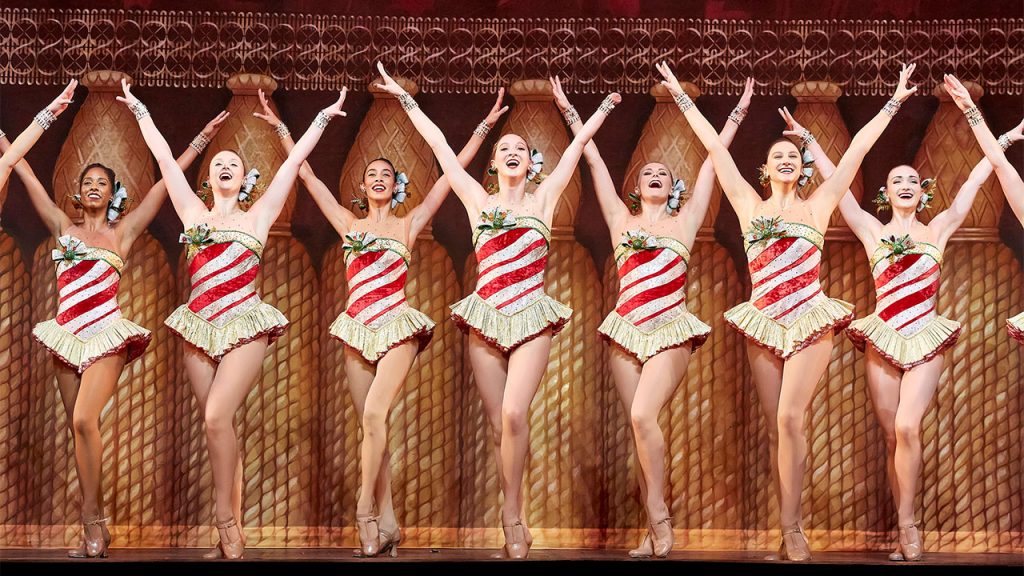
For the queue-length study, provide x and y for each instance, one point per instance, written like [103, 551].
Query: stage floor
[460, 560]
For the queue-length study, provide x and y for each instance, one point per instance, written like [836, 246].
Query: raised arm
[829, 192]
[55, 220]
[551, 189]
[864, 225]
[1009, 178]
[187, 205]
[138, 219]
[696, 207]
[268, 207]
[612, 208]
[29, 136]
[465, 186]
[338, 216]
[740, 194]
[421, 214]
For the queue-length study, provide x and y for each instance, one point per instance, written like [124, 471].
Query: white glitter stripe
[778, 308]
[657, 263]
[510, 251]
[87, 293]
[911, 313]
[789, 255]
[895, 297]
[373, 309]
[230, 254]
[662, 279]
[97, 270]
[517, 289]
[225, 301]
[229, 274]
[640, 312]
[372, 285]
[89, 315]
[527, 259]
[383, 261]
[769, 286]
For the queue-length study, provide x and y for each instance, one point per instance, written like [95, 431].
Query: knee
[217, 420]
[495, 426]
[513, 419]
[85, 425]
[643, 420]
[890, 438]
[907, 429]
[790, 422]
[374, 420]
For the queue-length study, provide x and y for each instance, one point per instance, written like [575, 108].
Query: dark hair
[107, 169]
[782, 139]
[380, 159]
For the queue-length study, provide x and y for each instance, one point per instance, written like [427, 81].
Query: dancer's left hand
[497, 110]
[793, 128]
[960, 94]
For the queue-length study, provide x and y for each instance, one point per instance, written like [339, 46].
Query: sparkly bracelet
[482, 129]
[282, 131]
[321, 120]
[973, 116]
[684, 101]
[45, 118]
[1004, 141]
[806, 138]
[571, 115]
[139, 109]
[199, 143]
[607, 105]
[407, 102]
[738, 114]
[892, 107]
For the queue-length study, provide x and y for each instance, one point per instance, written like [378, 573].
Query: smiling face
[654, 182]
[903, 187]
[511, 156]
[96, 187]
[226, 173]
[379, 180]
[784, 162]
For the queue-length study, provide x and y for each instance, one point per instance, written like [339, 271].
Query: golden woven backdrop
[15, 396]
[422, 426]
[839, 497]
[701, 422]
[562, 486]
[972, 471]
[276, 430]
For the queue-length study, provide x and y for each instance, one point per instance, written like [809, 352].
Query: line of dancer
[789, 323]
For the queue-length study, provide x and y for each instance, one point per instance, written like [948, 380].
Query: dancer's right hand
[128, 99]
[268, 115]
[670, 81]
[389, 85]
[556, 90]
[60, 103]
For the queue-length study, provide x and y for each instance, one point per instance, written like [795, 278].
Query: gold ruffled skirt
[262, 320]
[78, 354]
[682, 330]
[901, 351]
[1015, 326]
[830, 314]
[506, 332]
[373, 344]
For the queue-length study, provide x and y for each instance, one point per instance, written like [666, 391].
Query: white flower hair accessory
[536, 165]
[248, 185]
[675, 196]
[118, 203]
[399, 195]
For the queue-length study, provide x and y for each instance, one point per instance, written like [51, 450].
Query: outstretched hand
[268, 115]
[748, 93]
[335, 109]
[129, 99]
[213, 126]
[497, 110]
[960, 94]
[670, 81]
[793, 128]
[903, 88]
[60, 103]
[556, 90]
[389, 85]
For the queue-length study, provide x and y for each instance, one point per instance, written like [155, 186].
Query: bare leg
[884, 388]
[916, 393]
[234, 377]
[526, 366]
[766, 369]
[388, 380]
[800, 377]
[98, 384]
[490, 370]
[626, 375]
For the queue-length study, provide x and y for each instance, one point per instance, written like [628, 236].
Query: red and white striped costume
[88, 325]
[905, 328]
[787, 310]
[650, 314]
[378, 318]
[1015, 326]
[224, 311]
[509, 305]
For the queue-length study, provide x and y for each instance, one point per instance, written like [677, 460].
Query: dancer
[16, 150]
[89, 339]
[509, 318]
[382, 334]
[226, 325]
[651, 332]
[907, 337]
[789, 322]
[995, 151]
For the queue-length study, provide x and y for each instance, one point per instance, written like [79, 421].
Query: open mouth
[906, 195]
[655, 184]
[512, 163]
[786, 170]
[93, 196]
[378, 188]
[224, 176]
